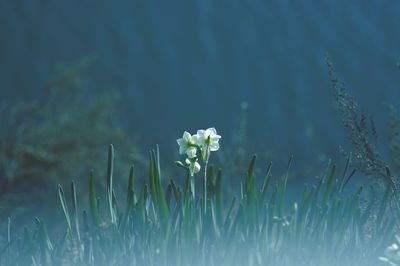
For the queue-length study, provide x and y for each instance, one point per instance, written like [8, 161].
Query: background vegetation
[56, 138]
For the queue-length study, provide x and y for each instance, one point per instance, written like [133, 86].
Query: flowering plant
[203, 142]
[198, 146]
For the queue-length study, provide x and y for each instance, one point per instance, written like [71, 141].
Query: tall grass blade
[110, 170]
[45, 244]
[65, 208]
[75, 210]
[283, 190]
[265, 185]
[329, 186]
[93, 201]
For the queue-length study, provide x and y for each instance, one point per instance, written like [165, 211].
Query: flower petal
[182, 149]
[195, 139]
[181, 141]
[191, 152]
[196, 167]
[201, 133]
[214, 146]
[186, 136]
[211, 131]
[215, 138]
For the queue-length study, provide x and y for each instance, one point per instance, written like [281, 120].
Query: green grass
[163, 223]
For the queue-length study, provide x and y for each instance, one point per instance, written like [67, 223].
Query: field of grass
[165, 223]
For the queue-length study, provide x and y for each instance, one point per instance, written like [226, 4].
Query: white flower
[208, 139]
[194, 166]
[186, 144]
[205, 140]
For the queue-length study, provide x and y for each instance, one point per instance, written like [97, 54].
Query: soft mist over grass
[165, 223]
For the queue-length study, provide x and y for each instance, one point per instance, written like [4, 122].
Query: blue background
[185, 65]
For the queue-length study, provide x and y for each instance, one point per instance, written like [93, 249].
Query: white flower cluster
[204, 141]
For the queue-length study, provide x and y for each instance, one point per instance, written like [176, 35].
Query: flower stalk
[205, 186]
[203, 142]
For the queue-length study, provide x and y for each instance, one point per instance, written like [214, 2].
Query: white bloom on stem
[187, 144]
[208, 140]
[194, 166]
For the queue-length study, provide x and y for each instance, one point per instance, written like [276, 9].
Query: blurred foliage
[235, 151]
[394, 138]
[363, 137]
[61, 135]
[360, 128]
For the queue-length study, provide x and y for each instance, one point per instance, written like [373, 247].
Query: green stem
[191, 179]
[205, 183]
